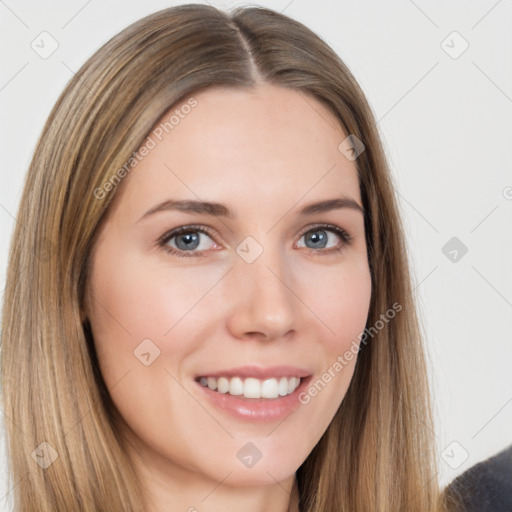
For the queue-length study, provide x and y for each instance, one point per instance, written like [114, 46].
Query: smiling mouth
[251, 387]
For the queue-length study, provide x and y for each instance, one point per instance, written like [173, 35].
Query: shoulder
[485, 487]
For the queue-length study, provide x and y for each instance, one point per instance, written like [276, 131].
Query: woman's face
[252, 297]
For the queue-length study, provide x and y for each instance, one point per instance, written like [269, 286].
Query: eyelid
[184, 229]
[341, 232]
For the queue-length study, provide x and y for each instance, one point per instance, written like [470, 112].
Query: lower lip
[256, 409]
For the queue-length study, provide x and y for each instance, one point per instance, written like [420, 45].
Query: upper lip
[259, 372]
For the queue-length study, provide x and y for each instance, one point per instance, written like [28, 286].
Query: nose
[264, 305]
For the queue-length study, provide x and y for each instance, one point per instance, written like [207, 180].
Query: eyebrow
[221, 210]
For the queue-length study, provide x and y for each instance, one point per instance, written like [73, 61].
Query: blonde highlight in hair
[377, 454]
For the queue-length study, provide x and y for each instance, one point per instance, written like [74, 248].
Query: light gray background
[445, 122]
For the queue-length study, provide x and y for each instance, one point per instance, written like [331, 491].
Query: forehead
[257, 146]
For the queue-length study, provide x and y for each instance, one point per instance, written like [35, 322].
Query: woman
[255, 372]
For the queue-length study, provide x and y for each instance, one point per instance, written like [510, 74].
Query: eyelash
[164, 239]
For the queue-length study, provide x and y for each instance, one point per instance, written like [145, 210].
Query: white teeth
[236, 386]
[222, 385]
[293, 383]
[251, 387]
[270, 388]
[283, 386]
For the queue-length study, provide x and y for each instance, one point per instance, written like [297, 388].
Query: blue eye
[319, 241]
[188, 238]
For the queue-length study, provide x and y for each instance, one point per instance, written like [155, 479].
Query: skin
[265, 153]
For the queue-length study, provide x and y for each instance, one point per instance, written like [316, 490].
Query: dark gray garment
[484, 487]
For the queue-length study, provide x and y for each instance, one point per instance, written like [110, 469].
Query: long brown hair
[378, 453]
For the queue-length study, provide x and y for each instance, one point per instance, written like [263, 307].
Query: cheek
[134, 300]
[133, 303]
[340, 302]
[339, 296]
[347, 306]
[128, 306]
